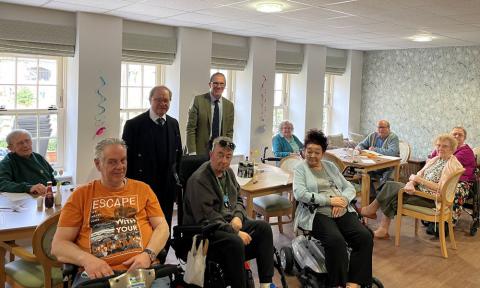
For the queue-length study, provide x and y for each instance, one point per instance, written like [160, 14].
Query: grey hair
[100, 147]
[161, 87]
[217, 74]
[12, 135]
[283, 123]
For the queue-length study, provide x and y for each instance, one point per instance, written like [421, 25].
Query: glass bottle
[49, 196]
[58, 194]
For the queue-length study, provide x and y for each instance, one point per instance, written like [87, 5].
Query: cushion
[421, 209]
[272, 202]
[335, 140]
[30, 274]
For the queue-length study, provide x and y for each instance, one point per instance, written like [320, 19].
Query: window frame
[59, 110]
[159, 78]
[284, 105]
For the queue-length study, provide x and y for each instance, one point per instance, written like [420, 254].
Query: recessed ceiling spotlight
[269, 7]
[422, 38]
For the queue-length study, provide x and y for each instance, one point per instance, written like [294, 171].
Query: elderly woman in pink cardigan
[466, 157]
[429, 180]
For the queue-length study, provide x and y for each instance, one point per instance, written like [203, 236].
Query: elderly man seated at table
[23, 170]
[382, 141]
[110, 224]
[213, 196]
[285, 143]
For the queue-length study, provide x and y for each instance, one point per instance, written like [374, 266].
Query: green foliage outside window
[25, 97]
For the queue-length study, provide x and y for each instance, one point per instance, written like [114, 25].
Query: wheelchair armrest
[204, 230]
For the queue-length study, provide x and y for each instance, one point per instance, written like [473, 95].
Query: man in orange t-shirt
[111, 224]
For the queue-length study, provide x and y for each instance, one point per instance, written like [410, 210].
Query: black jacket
[141, 159]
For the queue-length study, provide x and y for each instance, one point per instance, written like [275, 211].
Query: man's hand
[337, 211]
[38, 189]
[97, 268]
[338, 202]
[141, 260]
[236, 224]
[246, 238]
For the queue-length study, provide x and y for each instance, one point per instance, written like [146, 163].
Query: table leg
[2, 267]
[365, 197]
[249, 208]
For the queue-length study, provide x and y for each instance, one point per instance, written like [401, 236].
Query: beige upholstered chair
[439, 216]
[40, 269]
[276, 205]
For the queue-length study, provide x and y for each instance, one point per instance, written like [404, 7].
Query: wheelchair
[305, 258]
[183, 234]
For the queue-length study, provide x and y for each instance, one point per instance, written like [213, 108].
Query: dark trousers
[382, 176]
[335, 233]
[228, 250]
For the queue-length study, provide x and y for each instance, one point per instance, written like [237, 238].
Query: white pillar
[189, 74]
[254, 98]
[94, 70]
[306, 92]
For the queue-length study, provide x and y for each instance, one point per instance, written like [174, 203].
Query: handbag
[195, 268]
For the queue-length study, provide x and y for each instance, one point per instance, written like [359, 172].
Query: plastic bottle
[58, 194]
[49, 196]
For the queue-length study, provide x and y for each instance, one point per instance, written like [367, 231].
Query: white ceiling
[347, 24]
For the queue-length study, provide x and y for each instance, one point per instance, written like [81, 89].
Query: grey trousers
[388, 199]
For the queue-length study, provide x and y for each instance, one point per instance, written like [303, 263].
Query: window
[229, 91]
[137, 81]
[327, 102]
[31, 98]
[280, 100]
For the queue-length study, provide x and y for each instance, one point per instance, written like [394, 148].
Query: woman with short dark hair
[324, 196]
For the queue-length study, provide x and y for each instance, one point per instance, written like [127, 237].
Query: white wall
[96, 56]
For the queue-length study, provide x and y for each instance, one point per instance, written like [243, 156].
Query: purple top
[465, 155]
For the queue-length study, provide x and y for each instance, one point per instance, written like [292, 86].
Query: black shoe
[431, 229]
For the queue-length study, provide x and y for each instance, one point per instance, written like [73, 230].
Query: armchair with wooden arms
[440, 216]
[40, 269]
[405, 152]
[275, 205]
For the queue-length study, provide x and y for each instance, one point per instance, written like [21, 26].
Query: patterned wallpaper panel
[422, 93]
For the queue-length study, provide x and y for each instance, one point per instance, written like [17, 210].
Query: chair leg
[397, 229]
[280, 224]
[441, 234]
[450, 232]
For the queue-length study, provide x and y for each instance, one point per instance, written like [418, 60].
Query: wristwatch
[151, 254]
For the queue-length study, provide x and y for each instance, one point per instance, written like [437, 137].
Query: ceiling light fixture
[422, 38]
[269, 7]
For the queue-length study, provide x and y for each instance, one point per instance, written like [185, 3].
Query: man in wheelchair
[212, 196]
[110, 224]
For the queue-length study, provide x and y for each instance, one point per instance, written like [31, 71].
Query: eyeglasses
[224, 143]
[382, 127]
[219, 84]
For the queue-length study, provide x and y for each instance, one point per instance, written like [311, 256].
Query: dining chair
[277, 205]
[440, 216]
[405, 152]
[40, 269]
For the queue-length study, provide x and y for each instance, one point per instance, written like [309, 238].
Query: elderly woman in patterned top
[429, 180]
[285, 143]
[466, 157]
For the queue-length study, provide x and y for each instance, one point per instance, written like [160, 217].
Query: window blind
[289, 58]
[229, 52]
[336, 61]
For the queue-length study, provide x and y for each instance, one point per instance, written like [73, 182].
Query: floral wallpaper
[422, 93]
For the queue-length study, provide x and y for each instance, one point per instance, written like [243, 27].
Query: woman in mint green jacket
[325, 210]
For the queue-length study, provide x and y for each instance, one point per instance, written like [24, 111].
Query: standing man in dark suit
[210, 116]
[154, 148]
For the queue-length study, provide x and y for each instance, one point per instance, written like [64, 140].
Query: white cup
[40, 200]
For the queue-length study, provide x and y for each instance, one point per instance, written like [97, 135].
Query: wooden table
[22, 224]
[359, 162]
[267, 180]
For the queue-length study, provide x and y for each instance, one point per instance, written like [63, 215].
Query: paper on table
[280, 178]
[367, 161]
[390, 157]
[243, 181]
[16, 196]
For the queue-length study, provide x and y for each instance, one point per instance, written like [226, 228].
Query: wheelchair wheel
[286, 259]
[376, 283]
